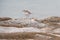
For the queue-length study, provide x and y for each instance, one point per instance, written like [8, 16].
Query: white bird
[27, 13]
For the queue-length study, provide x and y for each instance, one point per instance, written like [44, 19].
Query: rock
[4, 18]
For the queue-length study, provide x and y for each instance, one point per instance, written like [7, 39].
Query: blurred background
[39, 8]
